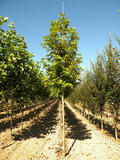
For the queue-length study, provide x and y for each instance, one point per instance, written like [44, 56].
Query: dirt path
[38, 141]
[86, 141]
[42, 139]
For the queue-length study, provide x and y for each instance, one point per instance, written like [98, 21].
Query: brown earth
[41, 138]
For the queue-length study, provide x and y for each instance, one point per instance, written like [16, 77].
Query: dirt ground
[41, 138]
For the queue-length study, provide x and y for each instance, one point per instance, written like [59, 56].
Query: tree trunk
[115, 115]
[101, 121]
[94, 117]
[22, 112]
[29, 111]
[88, 116]
[12, 105]
[7, 109]
[116, 135]
[63, 123]
[84, 110]
[35, 107]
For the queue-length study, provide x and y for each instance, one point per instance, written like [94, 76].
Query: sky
[93, 20]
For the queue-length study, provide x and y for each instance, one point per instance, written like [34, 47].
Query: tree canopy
[62, 63]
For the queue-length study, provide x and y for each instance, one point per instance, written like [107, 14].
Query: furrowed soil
[41, 136]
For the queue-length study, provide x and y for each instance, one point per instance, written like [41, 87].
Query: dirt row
[23, 145]
[42, 138]
[89, 142]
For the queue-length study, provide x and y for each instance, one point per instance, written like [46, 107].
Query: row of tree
[21, 81]
[20, 78]
[100, 85]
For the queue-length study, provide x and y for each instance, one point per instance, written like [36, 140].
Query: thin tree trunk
[84, 110]
[35, 107]
[116, 134]
[88, 115]
[63, 123]
[12, 105]
[7, 109]
[29, 111]
[94, 116]
[22, 112]
[101, 121]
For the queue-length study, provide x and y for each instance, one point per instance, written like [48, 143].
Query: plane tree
[62, 63]
[20, 77]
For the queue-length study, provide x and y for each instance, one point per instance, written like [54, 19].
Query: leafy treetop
[62, 62]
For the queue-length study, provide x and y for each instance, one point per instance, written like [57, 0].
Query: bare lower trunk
[63, 123]
[12, 104]
[101, 121]
[101, 111]
[94, 117]
[116, 135]
[22, 112]
[115, 115]
[35, 106]
[88, 116]
[84, 110]
[7, 109]
[30, 111]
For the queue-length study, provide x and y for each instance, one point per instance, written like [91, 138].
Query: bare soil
[90, 143]
[41, 138]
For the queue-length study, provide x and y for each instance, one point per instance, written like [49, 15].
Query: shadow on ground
[77, 130]
[5, 112]
[18, 119]
[41, 126]
[107, 127]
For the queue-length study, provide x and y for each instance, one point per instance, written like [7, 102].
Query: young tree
[89, 92]
[62, 63]
[112, 67]
[100, 84]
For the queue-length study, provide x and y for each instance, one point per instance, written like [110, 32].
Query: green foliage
[3, 20]
[112, 73]
[20, 76]
[14, 57]
[99, 80]
[117, 39]
[62, 63]
[101, 84]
